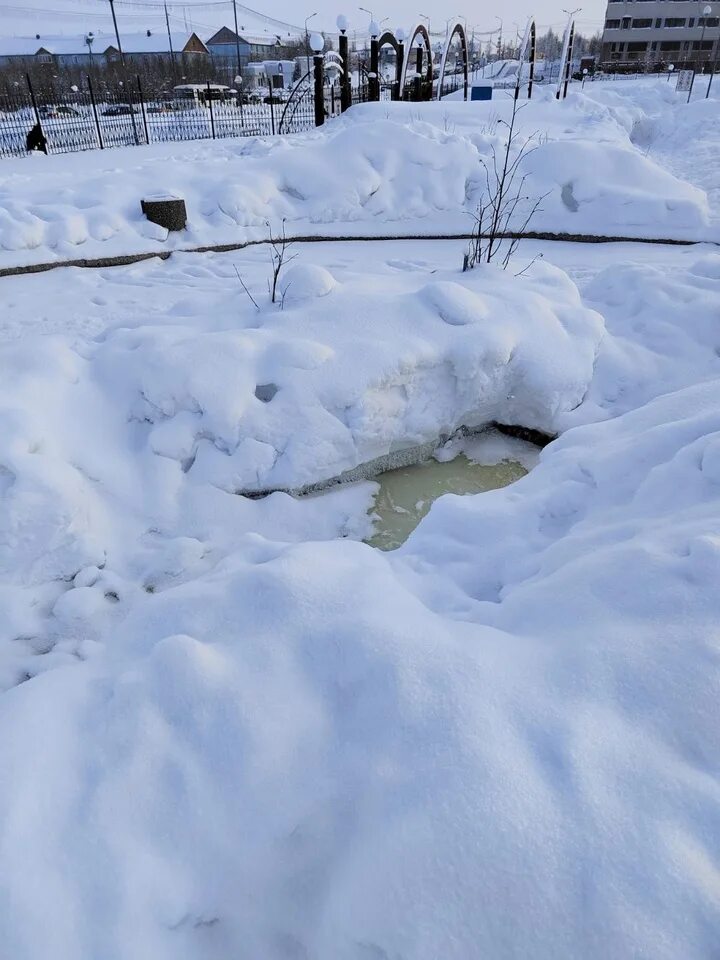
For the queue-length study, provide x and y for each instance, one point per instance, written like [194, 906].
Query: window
[709, 21]
[625, 23]
[670, 45]
[691, 22]
[642, 24]
[674, 21]
[705, 45]
[612, 24]
[636, 47]
[658, 22]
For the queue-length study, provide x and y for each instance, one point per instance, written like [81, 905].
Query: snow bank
[499, 741]
[414, 168]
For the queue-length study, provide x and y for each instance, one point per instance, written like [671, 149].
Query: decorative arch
[419, 31]
[566, 60]
[388, 39]
[529, 42]
[457, 30]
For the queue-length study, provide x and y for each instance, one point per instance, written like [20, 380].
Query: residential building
[651, 34]
[67, 51]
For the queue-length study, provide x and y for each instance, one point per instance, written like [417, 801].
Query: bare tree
[279, 247]
[504, 193]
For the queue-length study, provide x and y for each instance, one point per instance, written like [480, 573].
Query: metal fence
[97, 115]
[93, 117]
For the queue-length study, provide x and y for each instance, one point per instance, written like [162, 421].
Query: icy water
[407, 494]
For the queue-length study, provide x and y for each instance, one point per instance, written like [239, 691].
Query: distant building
[650, 34]
[84, 50]
[224, 45]
[277, 74]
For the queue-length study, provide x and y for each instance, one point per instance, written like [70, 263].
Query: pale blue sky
[78, 16]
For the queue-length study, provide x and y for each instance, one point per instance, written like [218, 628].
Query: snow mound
[455, 304]
[278, 764]
[305, 281]
[396, 167]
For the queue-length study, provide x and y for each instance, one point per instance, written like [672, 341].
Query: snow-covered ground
[229, 728]
[388, 168]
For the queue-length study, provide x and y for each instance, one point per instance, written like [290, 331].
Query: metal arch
[419, 31]
[389, 39]
[460, 31]
[565, 60]
[295, 99]
[530, 39]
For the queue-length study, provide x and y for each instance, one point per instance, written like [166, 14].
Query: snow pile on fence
[414, 168]
[500, 741]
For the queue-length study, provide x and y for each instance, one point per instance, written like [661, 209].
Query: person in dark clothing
[36, 140]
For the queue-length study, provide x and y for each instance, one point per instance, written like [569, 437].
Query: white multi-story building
[651, 34]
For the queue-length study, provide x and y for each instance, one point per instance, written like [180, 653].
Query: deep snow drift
[499, 740]
[388, 168]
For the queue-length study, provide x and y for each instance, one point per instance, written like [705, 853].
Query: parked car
[161, 108]
[54, 112]
[119, 110]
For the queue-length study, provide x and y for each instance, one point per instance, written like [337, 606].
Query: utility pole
[172, 52]
[237, 40]
[117, 32]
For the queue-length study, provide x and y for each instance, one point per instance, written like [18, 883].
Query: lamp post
[89, 41]
[238, 87]
[343, 44]
[585, 73]
[316, 45]
[707, 10]
[307, 41]
[374, 73]
[671, 67]
[400, 36]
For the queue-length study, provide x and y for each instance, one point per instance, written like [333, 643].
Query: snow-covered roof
[155, 41]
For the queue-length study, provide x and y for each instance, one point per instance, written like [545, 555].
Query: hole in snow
[265, 392]
[568, 198]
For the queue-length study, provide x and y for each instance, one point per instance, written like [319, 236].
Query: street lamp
[671, 67]
[307, 40]
[707, 10]
[316, 45]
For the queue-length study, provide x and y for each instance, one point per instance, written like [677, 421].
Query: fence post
[345, 90]
[34, 103]
[399, 68]
[272, 110]
[319, 70]
[95, 114]
[128, 88]
[374, 74]
[212, 115]
[142, 107]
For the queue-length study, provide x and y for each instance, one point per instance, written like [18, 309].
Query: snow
[230, 728]
[392, 168]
